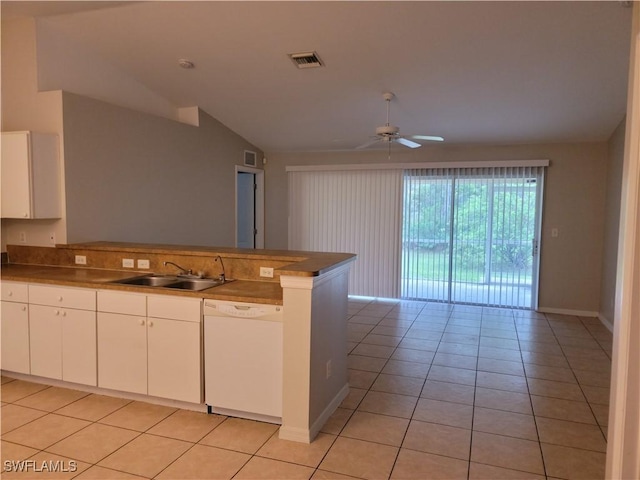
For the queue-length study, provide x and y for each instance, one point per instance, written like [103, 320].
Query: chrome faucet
[183, 270]
[222, 276]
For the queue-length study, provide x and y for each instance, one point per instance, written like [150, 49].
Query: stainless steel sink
[150, 280]
[172, 281]
[195, 283]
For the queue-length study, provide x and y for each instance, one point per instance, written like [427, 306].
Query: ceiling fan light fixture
[387, 130]
[388, 133]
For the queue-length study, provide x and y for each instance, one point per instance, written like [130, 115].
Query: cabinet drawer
[164, 306]
[80, 298]
[15, 292]
[122, 302]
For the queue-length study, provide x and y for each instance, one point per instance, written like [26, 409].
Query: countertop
[237, 290]
[56, 266]
[307, 264]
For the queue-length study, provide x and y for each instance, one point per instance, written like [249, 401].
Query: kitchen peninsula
[310, 287]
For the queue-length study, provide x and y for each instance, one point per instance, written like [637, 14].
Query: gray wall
[135, 177]
[570, 269]
[615, 162]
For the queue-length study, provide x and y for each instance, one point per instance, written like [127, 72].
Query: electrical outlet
[127, 263]
[23, 237]
[329, 368]
[52, 238]
[81, 260]
[555, 232]
[143, 264]
[266, 272]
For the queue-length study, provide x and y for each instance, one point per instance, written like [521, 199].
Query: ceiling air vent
[306, 60]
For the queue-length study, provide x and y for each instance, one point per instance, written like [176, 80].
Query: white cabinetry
[150, 345]
[62, 333]
[174, 348]
[122, 341]
[15, 327]
[30, 175]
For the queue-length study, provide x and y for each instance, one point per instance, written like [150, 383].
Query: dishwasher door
[243, 359]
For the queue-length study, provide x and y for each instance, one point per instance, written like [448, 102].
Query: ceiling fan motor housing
[387, 131]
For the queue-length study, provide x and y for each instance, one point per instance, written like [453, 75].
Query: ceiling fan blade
[369, 143]
[431, 138]
[407, 143]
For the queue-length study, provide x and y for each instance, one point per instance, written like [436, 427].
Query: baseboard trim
[260, 417]
[53, 382]
[294, 434]
[327, 412]
[565, 311]
[605, 321]
[304, 435]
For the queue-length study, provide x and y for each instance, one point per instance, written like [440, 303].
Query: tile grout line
[533, 412]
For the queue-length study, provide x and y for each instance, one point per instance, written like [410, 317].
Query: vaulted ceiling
[473, 72]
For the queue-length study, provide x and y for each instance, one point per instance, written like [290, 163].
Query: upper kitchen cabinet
[30, 175]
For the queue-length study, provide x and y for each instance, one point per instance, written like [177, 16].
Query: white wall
[65, 65]
[135, 177]
[126, 175]
[571, 264]
[623, 452]
[615, 161]
[24, 108]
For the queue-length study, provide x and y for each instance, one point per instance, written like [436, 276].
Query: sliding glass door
[470, 235]
[465, 235]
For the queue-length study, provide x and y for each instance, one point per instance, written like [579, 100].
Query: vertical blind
[354, 212]
[470, 235]
[463, 235]
[426, 233]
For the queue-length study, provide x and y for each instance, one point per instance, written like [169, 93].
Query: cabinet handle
[26, 215]
[10, 294]
[64, 314]
[24, 309]
[150, 323]
[60, 298]
[141, 322]
[57, 312]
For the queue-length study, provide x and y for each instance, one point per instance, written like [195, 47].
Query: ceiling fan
[390, 133]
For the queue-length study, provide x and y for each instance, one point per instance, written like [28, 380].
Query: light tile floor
[438, 391]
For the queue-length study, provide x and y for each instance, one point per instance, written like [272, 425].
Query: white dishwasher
[243, 359]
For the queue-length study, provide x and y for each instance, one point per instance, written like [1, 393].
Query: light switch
[554, 232]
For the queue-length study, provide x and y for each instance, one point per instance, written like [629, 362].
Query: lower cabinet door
[122, 352]
[174, 357]
[79, 347]
[15, 337]
[45, 338]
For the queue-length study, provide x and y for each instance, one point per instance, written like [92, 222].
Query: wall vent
[250, 158]
[306, 60]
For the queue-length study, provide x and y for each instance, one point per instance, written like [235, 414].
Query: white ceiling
[472, 72]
